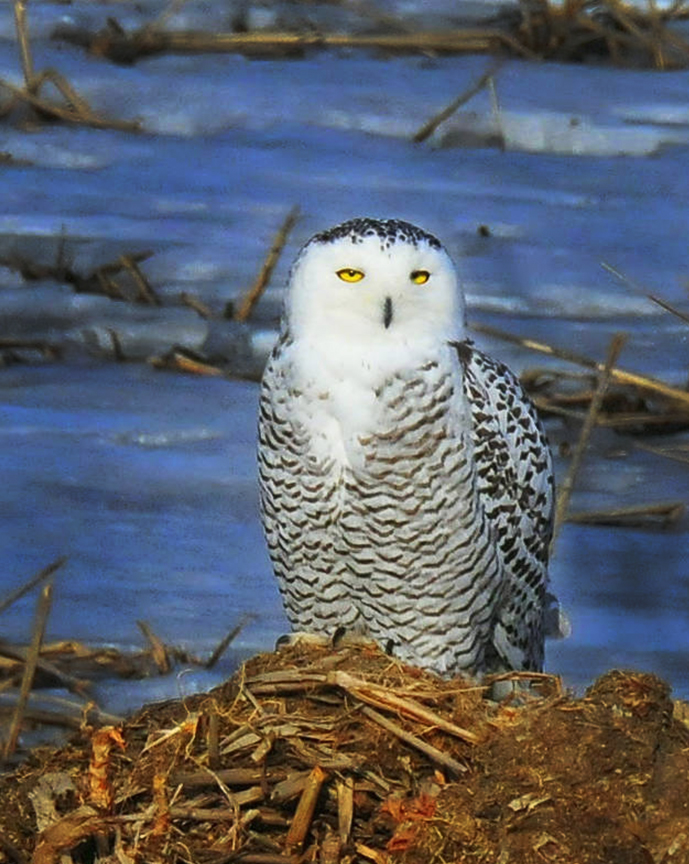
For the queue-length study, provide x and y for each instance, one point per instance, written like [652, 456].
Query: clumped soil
[349, 756]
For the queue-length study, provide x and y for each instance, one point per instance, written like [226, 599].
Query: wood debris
[576, 31]
[254, 293]
[73, 108]
[664, 514]
[306, 771]
[30, 664]
[121, 279]
[631, 401]
[27, 671]
[565, 492]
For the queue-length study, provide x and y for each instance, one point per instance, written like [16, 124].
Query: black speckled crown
[390, 231]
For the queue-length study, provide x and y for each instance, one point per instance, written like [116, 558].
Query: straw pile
[349, 756]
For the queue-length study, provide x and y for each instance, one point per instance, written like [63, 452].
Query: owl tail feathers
[556, 623]
[503, 655]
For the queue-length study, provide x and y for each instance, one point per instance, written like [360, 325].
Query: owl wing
[515, 482]
[300, 501]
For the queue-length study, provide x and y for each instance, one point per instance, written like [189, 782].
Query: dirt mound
[349, 756]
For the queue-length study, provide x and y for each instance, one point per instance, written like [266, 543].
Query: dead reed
[577, 30]
[72, 108]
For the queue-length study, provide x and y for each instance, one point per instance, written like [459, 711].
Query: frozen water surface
[146, 480]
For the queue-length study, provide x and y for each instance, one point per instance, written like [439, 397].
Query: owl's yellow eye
[349, 274]
[419, 277]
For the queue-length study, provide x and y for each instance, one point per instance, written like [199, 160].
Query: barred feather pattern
[435, 542]
[515, 482]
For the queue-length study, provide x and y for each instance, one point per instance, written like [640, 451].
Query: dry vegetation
[71, 107]
[575, 31]
[27, 671]
[348, 756]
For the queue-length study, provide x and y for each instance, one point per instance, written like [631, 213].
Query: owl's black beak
[387, 312]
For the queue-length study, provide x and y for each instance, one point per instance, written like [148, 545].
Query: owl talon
[303, 638]
[338, 636]
[343, 638]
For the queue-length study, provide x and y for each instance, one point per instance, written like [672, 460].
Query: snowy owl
[406, 483]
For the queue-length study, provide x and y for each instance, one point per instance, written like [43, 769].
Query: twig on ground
[39, 577]
[305, 809]
[424, 747]
[181, 359]
[68, 114]
[161, 656]
[146, 292]
[74, 685]
[640, 290]
[254, 293]
[75, 110]
[372, 854]
[227, 640]
[42, 612]
[616, 345]
[24, 44]
[268, 858]
[124, 47]
[213, 740]
[546, 30]
[229, 776]
[52, 718]
[345, 808]
[383, 697]
[196, 304]
[643, 382]
[634, 420]
[431, 125]
[61, 707]
[637, 516]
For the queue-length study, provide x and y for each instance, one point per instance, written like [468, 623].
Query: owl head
[376, 281]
